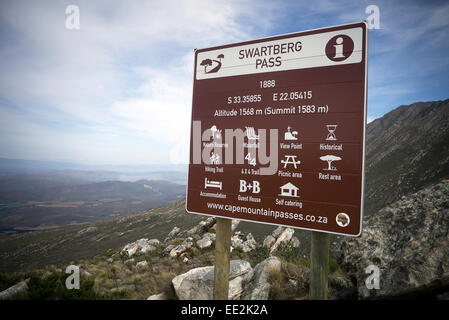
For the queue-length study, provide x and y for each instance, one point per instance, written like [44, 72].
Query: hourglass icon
[331, 128]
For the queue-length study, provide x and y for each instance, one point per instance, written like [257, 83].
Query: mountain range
[406, 150]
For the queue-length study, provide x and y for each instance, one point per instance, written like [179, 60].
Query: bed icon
[212, 184]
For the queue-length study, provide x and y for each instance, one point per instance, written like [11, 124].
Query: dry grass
[291, 283]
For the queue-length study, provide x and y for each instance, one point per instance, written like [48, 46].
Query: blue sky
[118, 90]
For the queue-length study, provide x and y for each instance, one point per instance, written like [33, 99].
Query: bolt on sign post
[278, 137]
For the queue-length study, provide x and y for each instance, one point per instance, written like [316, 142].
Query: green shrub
[122, 294]
[282, 289]
[7, 281]
[156, 253]
[53, 288]
[288, 252]
[258, 255]
[109, 253]
[333, 265]
[237, 253]
[305, 262]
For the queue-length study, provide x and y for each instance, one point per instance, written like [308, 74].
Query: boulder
[269, 241]
[249, 244]
[259, 287]
[277, 232]
[285, 235]
[130, 249]
[84, 272]
[140, 246]
[206, 241]
[186, 244]
[146, 246]
[160, 296]
[154, 242]
[409, 242]
[235, 223]
[142, 265]
[236, 242]
[15, 291]
[197, 284]
[202, 227]
[173, 233]
[196, 237]
[167, 250]
[295, 242]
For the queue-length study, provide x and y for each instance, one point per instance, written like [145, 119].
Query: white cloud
[126, 73]
[120, 88]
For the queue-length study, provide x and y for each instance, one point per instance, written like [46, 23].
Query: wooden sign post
[222, 258]
[319, 265]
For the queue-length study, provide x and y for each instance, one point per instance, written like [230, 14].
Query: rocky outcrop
[154, 242]
[259, 288]
[246, 243]
[406, 150]
[167, 250]
[15, 291]
[140, 246]
[234, 224]
[279, 235]
[172, 234]
[197, 284]
[202, 227]
[130, 249]
[250, 243]
[142, 265]
[159, 296]
[186, 244]
[286, 235]
[206, 241]
[408, 241]
[277, 232]
[269, 241]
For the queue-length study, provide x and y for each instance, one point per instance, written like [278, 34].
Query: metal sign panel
[278, 130]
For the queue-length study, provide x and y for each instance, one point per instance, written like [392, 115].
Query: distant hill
[31, 181]
[10, 166]
[43, 205]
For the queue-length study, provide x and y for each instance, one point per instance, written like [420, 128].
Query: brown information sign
[278, 130]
